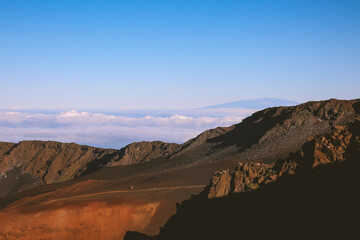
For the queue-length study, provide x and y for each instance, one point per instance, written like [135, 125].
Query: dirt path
[130, 191]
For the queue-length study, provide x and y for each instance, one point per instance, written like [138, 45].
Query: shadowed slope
[315, 194]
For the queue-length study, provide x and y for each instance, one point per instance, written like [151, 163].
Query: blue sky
[176, 54]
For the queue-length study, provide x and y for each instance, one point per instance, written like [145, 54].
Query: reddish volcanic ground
[62, 214]
[81, 220]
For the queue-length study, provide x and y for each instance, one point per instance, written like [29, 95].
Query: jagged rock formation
[317, 151]
[245, 177]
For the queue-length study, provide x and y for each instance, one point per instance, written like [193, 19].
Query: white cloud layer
[112, 130]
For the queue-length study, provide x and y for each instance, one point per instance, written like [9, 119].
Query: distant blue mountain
[259, 103]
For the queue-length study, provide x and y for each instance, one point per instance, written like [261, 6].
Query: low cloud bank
[112, 130]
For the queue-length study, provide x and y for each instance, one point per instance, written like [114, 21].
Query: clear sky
[176, 54]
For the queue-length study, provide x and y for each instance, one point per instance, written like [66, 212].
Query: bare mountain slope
[271, 133]
[31, 163]
[141, 152]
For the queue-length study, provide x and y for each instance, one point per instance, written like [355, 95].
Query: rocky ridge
[49, 161]
[269, 134]
[56, 162]
[31, 163]
[141, 152]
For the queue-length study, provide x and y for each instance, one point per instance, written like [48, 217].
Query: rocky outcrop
[245, 177]
[317, 151]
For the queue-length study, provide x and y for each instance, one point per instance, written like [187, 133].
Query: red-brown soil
[81, 220]
[71, 213]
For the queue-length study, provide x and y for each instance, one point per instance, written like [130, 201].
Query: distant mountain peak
[258, 103]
